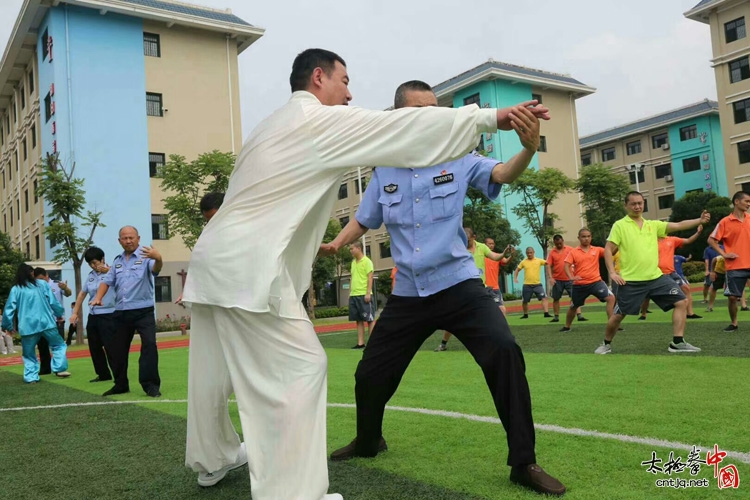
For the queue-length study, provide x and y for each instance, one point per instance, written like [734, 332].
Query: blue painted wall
[101, 123]
[503, 146]
[708, 147]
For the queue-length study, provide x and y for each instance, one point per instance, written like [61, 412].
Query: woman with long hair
[33, 306]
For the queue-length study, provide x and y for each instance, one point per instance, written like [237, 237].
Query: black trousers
[100, 330]
[126, 324]
[469, 313]
[45, 356]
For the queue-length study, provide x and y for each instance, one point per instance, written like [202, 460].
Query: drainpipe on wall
[231, 104]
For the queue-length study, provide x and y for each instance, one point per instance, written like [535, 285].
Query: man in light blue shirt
[132, 276]
[438, 287]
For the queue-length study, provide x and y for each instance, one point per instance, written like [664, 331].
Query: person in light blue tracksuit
[33, 305]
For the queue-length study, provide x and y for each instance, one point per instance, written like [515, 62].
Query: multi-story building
[665, 156]
[114, 87]
[497, 85]
[731, 63]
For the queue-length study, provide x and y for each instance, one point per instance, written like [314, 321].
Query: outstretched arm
[526, 126]
[687, 241]
[673, 227]
[351, 233]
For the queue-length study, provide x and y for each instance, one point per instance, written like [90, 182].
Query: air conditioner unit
[665, 146]
[668, 178]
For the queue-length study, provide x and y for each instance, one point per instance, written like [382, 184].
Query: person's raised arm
[155, 255]
[351, 233]
[526, 126]
[687, 241]
[77, 307]
[673, 227]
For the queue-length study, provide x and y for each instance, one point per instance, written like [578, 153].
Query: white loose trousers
[278, 371]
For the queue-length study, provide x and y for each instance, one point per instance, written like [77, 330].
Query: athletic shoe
[620, 329]
[547, 315]
[745, 308]
[565, 329]
[115, 390]
[153, 392]
[555, 320]
[525, 316]
[62, 374]
[694, 316]
[603, 349]
[641, 318]
[710, 309]
[730, 328]
[682, 347]
[441, 347]
[207, 479]
[581, 318]
[359, 346]
[704, 302]
[349, 451]
[534, 478]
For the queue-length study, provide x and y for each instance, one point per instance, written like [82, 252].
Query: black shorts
[663, 291]
[496, 295]
[582, 292]
[359, 310]
[614, 287]
[719, 282]
[560, 287]
[677, 278]
[533, 290]
[736, 281]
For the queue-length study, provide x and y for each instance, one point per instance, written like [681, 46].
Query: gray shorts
[560, 287]
[582, 292]
[533, 290]
[496, 295]
[736, 280]
[359, 310]
[663, 291]
[614, 287]
[677, 278]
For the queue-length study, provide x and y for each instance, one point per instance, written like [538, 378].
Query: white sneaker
[603, 349]
[333, 496]
[207, 479]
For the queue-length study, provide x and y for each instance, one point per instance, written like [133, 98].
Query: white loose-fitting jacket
[257, 252]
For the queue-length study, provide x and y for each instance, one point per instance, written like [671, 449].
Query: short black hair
[738, 196]
[631, 193]
[557, 237]
[357, 244]
[470, 232]
[93, 253]
[584, 229]
[306, 62]
[211, 201]
[399, 100]
[39, 271]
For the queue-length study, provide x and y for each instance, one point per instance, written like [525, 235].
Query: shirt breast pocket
[393, 210]
[445, 202]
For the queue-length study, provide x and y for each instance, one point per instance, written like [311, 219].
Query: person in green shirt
[361, 303]
[639, 277]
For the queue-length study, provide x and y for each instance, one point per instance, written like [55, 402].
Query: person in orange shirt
[587, 280]
[492, 272]
[734, 232]
[667, 246]
[559, 281]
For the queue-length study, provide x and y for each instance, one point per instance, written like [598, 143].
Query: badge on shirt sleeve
[390, 188]
[138, 262]
[443, 178]
[118, 266]
[91, 279]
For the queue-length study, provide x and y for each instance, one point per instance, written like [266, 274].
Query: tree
[538, 189]
[690, 206]
[603, 199]
[10, 259]
[64, 195]
[187, 183]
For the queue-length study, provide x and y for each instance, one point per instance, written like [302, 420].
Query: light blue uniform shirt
[423, 212]
[36, 307]
[56, 290]
[91, 286]
[133, 280]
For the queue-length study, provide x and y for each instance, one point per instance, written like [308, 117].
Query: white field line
[661, 443]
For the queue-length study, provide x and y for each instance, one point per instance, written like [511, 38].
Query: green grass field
[136, 450]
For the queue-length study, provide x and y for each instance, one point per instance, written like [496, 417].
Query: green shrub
[693, 267]
[172, 323]
[510, 296]
[331, 312]
[695, 278]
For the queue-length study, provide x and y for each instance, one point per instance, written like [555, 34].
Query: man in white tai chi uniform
[251, 265]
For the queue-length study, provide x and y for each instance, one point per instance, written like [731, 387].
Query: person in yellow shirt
[361, 303]
[532, 282]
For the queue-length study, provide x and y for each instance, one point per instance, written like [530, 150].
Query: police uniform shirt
[423, 212]
[133, 281]
[256, 253]
[91, 286]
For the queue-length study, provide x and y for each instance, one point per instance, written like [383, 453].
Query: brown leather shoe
[349, 451]
[533, 477]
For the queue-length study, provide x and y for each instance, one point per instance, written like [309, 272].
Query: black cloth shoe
[525, 316]
[359, 346]
[153, 392]
[547, 315]
[350, 451]
[693, 316]
[730, 328]
[534, 478]
[641, 318]
[565, 329]
[555, 320]
[99, 379]
[581, 318]
[115, 390]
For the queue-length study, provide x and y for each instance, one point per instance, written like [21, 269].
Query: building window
[31, 82]
[739, 70]
[661, 171]
[154, 105]
[18, 208]
[745, 187]
[163, 288]
[586, 159]
[368, 251]
[155, 164]
[472, 99]
[45, 44]
[33, 136]
[385, 250]
[699, 190]
[666, 201]
[36, 196]
[36, 247]
[659, 140]
[691, 164]
[47, 107]
[542, 144]
[26, 199]
[11, 216]
[23, 98]
[343, 191]
[741, 111]
[689, 132]
[15, 110]
[28, 250]
[23, 148]
[344, 221]
[734, 30]
[356, 185]
[537, 98]
[634, 148]
[159, 227]
[151, 45]
[608, 154]
[641, 177]
[743, 148]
